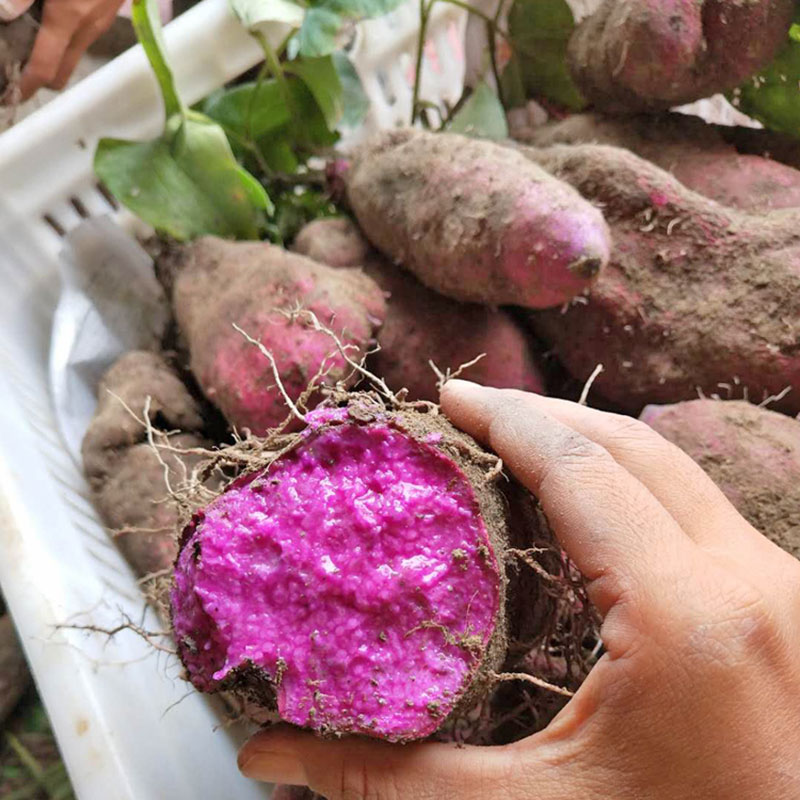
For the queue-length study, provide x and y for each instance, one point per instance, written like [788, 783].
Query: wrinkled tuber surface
[14, 675]
[697, 295]
[126, 476]
[473, 221]
[692, 150]
[257, 286]
[751, 453]
[640, 55]
[422, 326]
[356, 582]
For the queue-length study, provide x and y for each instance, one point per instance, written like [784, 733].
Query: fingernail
[460, 385]
[270, 766]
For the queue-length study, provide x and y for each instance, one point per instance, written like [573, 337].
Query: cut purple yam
[353, 583]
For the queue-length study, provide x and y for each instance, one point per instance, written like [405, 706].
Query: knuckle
[736, 626]
[41, 74]
[629, 430]
[357, 783]
[577, 452]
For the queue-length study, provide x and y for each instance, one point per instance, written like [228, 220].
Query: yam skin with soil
[421, 325]
[692, 150]
[751, 453]
[16, 43]
[473, 221]
[697, 295]
[14, 675]
[124, 472]
[256, 286]
[354, 583]
[649, 55]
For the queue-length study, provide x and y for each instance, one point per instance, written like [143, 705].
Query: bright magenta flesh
[356, 574]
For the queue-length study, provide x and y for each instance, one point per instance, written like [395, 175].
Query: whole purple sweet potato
[637, 55]
[473, 221]
[124, 471]
[256, 286]
[692, 150]
[422, 326]
[697, 295]
[751, 453]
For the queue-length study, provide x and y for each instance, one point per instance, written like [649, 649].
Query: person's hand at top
[698, 692]
[68, 29]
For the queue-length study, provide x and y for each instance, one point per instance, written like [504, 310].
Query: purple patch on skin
[349, 573]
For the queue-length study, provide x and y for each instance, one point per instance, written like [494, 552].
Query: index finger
[52, 41]
[619, 536]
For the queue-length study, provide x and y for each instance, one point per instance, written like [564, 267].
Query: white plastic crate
[128, 727]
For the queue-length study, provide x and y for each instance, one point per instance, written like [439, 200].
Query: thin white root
[775, 398]
[266, 353]
[151, 441]
[540, 682]
[588, 385]
[448, 375]
[380, 385]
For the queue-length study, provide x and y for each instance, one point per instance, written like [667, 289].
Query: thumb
[11, 9]
[355, 768]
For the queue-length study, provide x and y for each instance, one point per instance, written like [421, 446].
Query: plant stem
[425, 9]
[272, 66]
[147, 24]
[491, 36]
[273, 63]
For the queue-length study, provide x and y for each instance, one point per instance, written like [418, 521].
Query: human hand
[69, 28]
[698, 692]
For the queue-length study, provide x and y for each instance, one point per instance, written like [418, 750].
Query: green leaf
[185, 183]
[308, 127]
[278, 153]
[355, 102]
[249, 110]
[360, 9]
[317, 36]
[325, 20]
[146, 19]
[322, 80]
[482, 116]
[773, 95]
[539, 31]
[254, 13]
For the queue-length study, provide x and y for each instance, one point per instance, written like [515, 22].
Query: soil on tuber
[646, 55]
[751, 453]
[694, 151]
[127, 473]
[473, 220]
[422, 326]
[697, 297]
[258, 287]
